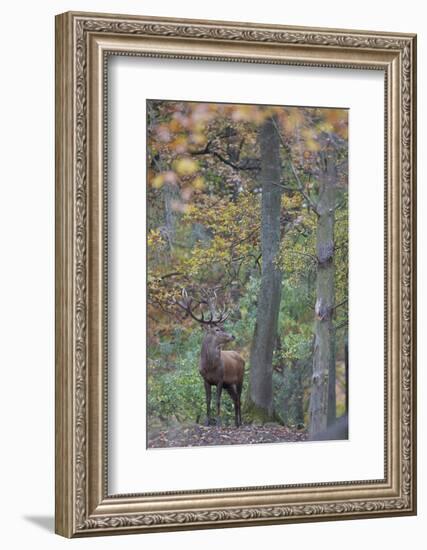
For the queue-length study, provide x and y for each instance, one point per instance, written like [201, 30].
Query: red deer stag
[223, 369]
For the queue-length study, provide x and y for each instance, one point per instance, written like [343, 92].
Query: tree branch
[300, 186]
[341, 304]
[173, 274]
[313, 258]
[245, 164]
[342, 325]
[340, 204]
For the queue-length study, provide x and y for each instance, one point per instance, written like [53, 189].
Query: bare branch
[340, 204]
[285, 187]
[311, 256]
[300, 186]
[173, 274]
[340, 304]
[342, 325]
[245, 164]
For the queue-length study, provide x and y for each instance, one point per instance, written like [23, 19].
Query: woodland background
[248, 205]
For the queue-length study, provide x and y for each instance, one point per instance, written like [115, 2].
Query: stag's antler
[187, 305]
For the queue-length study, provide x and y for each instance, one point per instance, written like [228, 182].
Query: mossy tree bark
[322, 398]
[298, 399]
[332, 380]
[259, 402]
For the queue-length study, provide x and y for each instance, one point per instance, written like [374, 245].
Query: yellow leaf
[185, 166]
[158, 181]
[162, 178]
[312, 145]
[198, 138]
[326, 127]
[199, 183]
[310, 139]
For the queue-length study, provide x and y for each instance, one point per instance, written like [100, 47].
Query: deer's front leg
[208, 391]
[218, 403]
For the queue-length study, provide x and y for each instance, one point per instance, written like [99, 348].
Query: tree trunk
[171, 195]
[332, 379]
[299, 395]
[259, 405]
[322, 396]
[346, 373]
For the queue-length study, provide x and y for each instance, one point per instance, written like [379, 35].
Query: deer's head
[218, 335]
[213, 323]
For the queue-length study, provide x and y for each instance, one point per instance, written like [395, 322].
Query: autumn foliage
[204, 227]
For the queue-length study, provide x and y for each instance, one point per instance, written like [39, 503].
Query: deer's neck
[210, 354]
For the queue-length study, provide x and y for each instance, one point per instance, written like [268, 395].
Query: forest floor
[196, 435]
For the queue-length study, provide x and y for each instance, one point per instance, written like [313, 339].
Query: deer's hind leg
[219, 387]
[239, 388]
[234, 394]
[208, 391]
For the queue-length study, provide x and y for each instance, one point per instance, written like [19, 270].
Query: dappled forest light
[247, 246]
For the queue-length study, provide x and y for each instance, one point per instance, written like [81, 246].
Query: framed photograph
[235, 274]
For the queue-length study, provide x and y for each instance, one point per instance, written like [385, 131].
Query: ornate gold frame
[83, 42]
